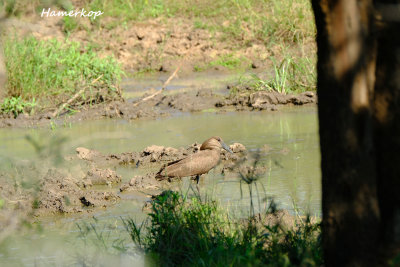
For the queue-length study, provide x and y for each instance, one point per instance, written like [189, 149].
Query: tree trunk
[346, 66]
[387, 127]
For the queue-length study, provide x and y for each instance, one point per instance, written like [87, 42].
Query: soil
[154, 45]
[71, 190]
[158, 45]
[164, 105]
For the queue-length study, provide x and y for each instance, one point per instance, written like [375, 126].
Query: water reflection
[291, 153]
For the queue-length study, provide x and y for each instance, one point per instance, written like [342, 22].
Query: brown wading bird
[197, 163]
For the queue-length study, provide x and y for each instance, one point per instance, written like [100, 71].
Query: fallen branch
[163, 87]
[55, 114]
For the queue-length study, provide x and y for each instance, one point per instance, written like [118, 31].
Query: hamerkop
[197, 163]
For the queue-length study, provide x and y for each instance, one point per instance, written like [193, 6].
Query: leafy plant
[70, 24]
[16, 105]
[190, 232]
[44, 69]
[290, 75]
[228, 61]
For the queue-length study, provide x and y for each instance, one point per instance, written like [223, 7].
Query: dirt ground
[159, 45]
[89, 181]
[164, 105]
[152, 46]
[155, 45]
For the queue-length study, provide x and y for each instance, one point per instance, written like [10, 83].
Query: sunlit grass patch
[16, 106]
[266, 20]
[56, 70]
[290, 75]
[228, 61]
[199, 233]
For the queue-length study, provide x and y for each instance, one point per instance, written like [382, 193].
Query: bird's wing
[173, 162]
[195, 164]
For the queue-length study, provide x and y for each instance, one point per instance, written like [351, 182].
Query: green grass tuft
[16, 106]
[70, 24]
[48, 69]
[291, 75]
[270, 21]
[194, 233]
[228, 61]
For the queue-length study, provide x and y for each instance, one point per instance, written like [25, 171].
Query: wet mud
[165, 105]
[266, 100]
[93, 182]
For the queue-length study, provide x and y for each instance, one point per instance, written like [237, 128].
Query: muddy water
[292, 179]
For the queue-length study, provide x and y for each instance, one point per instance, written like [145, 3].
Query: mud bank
[92, 183]
[152, 158]
[266, 100]
[162, 105]
[56, 191]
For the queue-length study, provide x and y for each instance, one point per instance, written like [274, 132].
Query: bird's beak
[224, 146]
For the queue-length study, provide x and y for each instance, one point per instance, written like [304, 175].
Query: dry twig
[55, 113]
[163, 87]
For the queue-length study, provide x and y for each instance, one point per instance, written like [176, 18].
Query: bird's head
[215, 142]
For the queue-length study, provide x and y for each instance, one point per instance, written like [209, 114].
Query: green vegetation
[18, 7]
[16, 106]
[49, 69]
[228, 61]
[291, 75]
[280, 25]
[70, 24]
[187, 232]
[266, 20]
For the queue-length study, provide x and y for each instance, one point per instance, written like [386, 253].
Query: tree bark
[346, 66]
[387, 127]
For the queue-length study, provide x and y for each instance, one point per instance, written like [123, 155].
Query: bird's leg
[197, 185]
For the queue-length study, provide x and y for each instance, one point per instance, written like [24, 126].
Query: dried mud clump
[61, 193]
[266, 100]
[102, 177]
[140, 182]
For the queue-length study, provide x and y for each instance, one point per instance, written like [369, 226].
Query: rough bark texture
[387, 126]
[346, 60]
[359, 119]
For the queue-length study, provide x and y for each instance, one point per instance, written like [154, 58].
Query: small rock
[220, 104]
[237, 147]
[133, 181]
[171, 151]
[102, 177]
[139, 183]
[87, 154]
[140, 35]
[86, 202]
[154, 149]
[309, 94]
